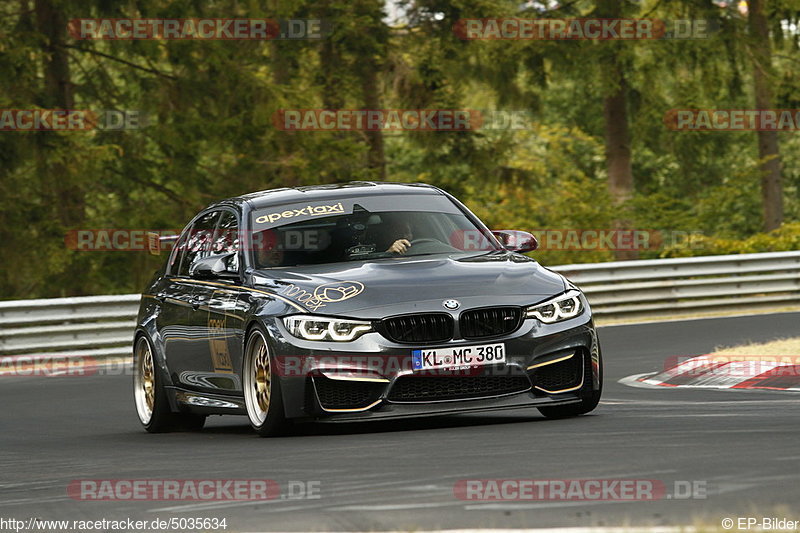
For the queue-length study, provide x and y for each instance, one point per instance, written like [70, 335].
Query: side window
[178, 252]
[197, 243]
[226, 239]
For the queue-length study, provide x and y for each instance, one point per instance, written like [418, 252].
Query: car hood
[374, 289]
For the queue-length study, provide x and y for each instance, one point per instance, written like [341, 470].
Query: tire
[589, 400]
[262, 389]
[150, 398]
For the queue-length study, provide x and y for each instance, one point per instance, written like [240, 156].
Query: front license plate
[459, 357]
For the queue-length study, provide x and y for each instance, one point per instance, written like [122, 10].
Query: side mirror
[516, 241]
[221, 266]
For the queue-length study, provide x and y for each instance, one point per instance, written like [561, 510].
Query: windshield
[362, 228]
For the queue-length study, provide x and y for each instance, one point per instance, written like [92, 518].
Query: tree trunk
[768, 152]
[618, 157]
[617, 137]
[60, 191]
[51, 23]
[285, 175]
[331, 65]
[617, 140]
[375, 157]
[618, 148]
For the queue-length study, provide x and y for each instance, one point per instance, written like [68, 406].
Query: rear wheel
[262, 389]
[590, 397]
[150, 398]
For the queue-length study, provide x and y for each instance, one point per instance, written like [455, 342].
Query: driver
[268, 252]
[400, 230]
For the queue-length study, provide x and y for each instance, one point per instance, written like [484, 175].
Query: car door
[178, 299]
[174, 297]
[217, 315]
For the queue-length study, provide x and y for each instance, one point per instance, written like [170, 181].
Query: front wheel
[262, 389]
[150, 398]
[589, 400]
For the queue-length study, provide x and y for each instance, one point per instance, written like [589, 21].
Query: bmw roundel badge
[451, 304]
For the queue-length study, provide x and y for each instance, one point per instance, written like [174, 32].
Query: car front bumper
[372, 378]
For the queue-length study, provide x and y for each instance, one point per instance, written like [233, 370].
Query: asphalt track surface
[743, 446]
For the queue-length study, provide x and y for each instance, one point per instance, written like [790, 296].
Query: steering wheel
[427, 246]
[422, 241]
[434, 244]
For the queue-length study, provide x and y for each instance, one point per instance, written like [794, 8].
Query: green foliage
[786, 238]
[210, 132]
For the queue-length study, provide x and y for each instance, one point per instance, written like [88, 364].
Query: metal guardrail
[689, 286]
[86, 326]
[95, 326]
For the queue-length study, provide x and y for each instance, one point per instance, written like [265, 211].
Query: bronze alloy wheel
[257, 379]
[144, 383]
[262, 388]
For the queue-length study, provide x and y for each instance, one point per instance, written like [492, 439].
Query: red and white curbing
[727, 372]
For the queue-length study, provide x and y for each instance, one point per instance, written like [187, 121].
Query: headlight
[560, 308]
[317, 328]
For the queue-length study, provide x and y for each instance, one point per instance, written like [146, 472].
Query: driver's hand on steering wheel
[400, 246]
